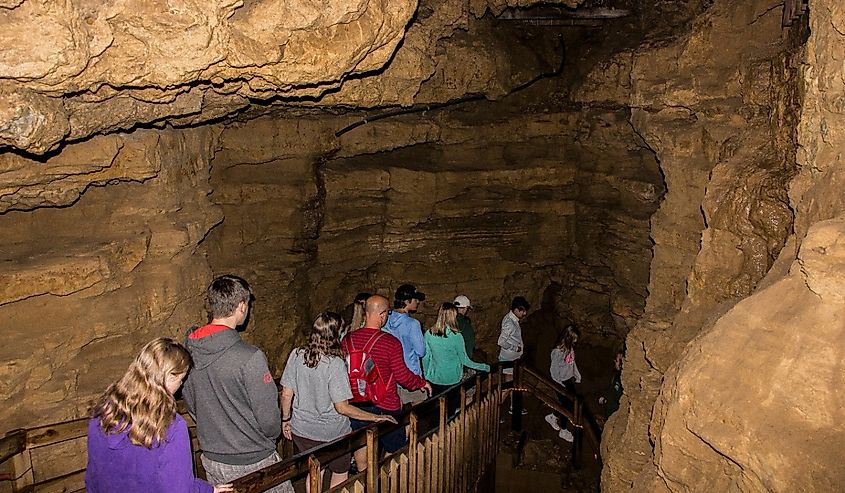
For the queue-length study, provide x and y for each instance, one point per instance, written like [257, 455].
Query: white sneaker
[551, 419]
[566, 435]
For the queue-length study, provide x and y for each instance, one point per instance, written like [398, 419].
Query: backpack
[364, 376]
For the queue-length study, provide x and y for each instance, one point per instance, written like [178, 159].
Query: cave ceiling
[73, 69]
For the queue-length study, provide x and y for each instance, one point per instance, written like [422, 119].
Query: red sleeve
[401, 373]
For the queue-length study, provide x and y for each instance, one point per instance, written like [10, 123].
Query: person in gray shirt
[316, 393]
[230, 391]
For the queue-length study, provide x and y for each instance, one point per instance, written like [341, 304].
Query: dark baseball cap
[407, 292]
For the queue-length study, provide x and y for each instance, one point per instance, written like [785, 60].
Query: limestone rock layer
[72, 69]
[84, 286]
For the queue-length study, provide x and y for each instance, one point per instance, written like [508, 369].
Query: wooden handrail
[16, 445]
[297, 465]
[12, 444]
[580, 416]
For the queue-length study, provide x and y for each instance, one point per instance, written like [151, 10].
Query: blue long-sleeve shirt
[409, 332]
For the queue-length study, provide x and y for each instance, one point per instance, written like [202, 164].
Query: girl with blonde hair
[358, 314]
[137, 442]
[316, 393]
[446, 354]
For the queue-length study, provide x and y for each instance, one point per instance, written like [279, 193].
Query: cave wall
[415, 199]
[730, 376]
[484, 199]
[796, 321]
[100, 254]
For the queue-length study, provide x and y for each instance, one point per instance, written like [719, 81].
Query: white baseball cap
[462, 302]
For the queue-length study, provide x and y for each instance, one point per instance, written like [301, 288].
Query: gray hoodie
[232, 396]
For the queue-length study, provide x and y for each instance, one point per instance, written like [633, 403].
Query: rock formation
[113, 263]
[714, 401]
[94, 67]
[672, 179]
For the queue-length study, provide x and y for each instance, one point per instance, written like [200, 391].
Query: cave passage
[666, 176]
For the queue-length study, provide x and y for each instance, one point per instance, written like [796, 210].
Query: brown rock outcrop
[779, 433]
[719, 120]
[74, 69]
[84, 287]
[741, 395]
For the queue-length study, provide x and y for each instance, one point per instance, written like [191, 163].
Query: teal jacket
[446, 357]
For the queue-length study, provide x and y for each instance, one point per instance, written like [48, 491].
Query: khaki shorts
[411, 396]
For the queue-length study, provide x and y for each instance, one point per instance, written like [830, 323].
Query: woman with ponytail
[137, 442]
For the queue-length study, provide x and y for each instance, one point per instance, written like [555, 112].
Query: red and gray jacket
[231, 395]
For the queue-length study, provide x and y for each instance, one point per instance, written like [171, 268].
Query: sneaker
[566, 435]
[551, 419]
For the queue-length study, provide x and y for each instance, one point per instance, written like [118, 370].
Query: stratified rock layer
[83, 287]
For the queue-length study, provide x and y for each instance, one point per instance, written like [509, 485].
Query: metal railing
[444, 453]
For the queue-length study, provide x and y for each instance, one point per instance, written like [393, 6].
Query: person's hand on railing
[223, 488]
[385, 417]
[427, 388]
[286, 430]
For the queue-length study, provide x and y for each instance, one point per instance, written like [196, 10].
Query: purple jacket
[116, 465]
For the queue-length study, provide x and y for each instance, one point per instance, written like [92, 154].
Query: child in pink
[564, 371]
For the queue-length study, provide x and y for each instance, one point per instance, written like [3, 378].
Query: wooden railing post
[478, 453]
[443, 414]
[13, 448]
[577, 432]
[412, 452]
[314, 480]
[494, 428]
[23, 477]
[372, 460]
[445, 451]
[516, 398]
[478, 390]
[463, 440]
